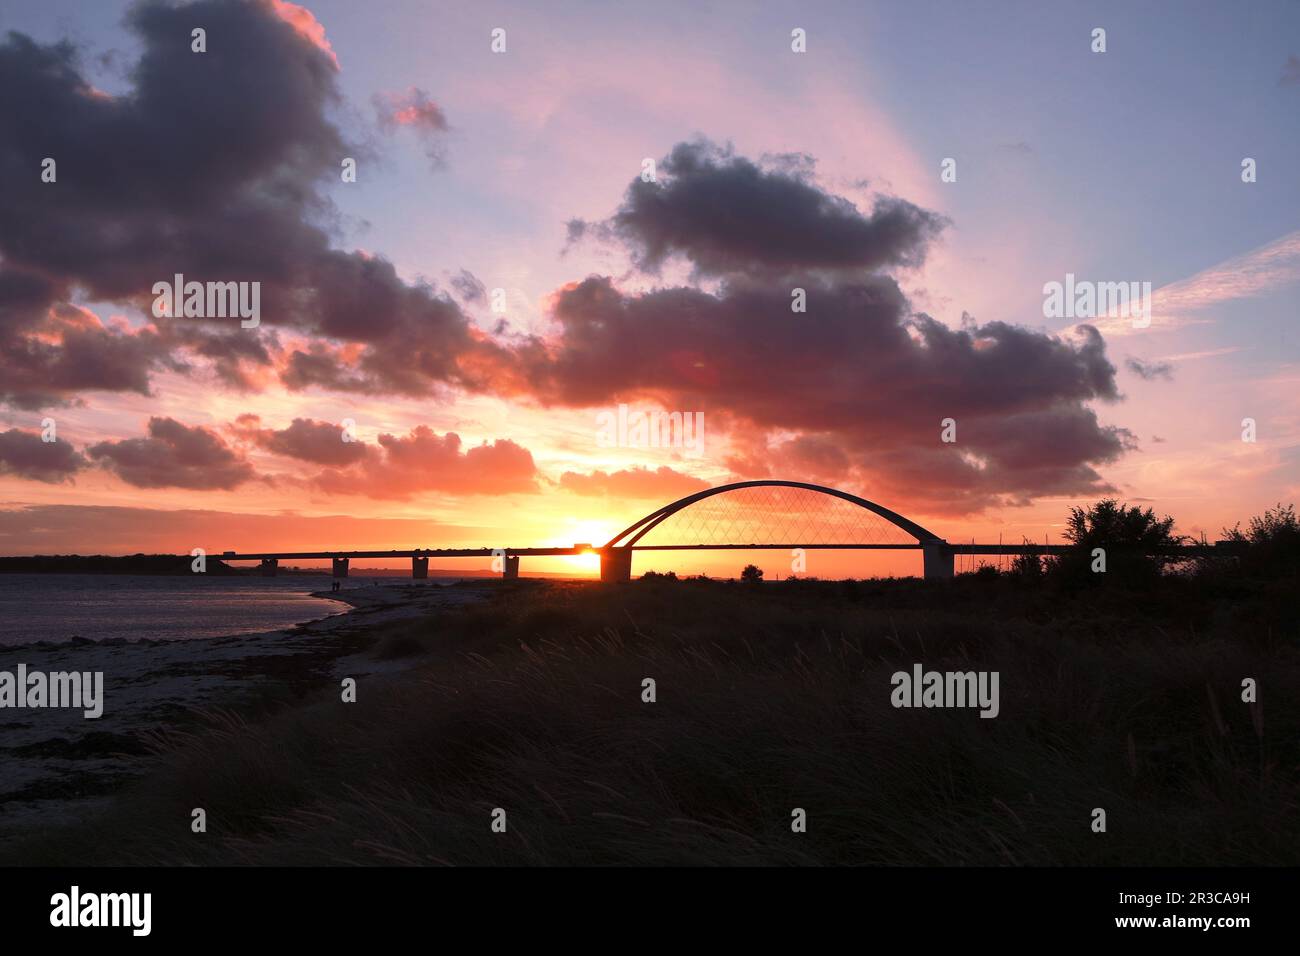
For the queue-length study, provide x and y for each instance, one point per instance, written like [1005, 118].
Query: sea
[97, 607]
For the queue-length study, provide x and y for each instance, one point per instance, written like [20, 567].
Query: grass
[770, 697]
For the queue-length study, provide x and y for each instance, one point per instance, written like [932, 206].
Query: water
[58, 607]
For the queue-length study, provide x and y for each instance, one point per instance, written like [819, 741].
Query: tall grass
[770, 697]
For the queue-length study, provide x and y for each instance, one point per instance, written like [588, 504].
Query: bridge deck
[413, 553]
[1190, 550]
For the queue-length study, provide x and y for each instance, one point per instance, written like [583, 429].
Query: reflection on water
[58, 607]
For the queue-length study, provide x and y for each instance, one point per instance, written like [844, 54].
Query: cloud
[469, 287]
[727, 215]
[250, 149]
[68, 350]
[244, 359]
[869, 379]
[413, 109]
[397, 466]
[1208, 353]
[174, 456]
[307, 26]
[1265, 269]
[856, 385]
[636, 482]
[853, 390]
[25, 455]
[424, 461]
[62, 529]
[321, 443]
[1150, 370]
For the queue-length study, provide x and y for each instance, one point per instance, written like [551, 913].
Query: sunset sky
[521, 171]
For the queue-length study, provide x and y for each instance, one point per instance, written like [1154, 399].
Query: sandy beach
[59, 766]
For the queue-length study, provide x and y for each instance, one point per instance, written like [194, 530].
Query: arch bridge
[797, 520]
[743, 516]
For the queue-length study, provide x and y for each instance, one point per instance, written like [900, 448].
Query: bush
[656, 576]
[1131, 538]
[1028, 566]
[1272, 542]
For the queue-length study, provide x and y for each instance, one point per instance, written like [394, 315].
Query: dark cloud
[69, 350]
[174, 456]
[424, 461]
[819, 455]
[216, 166]
[727, 214]
[321, 443]
[870, 380]
[213, 166]
[243, 359]
[25, 455]
[855, 389]
[1150, 370]
[637, 482]
[469, 287]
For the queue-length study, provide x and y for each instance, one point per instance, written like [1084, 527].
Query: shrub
[1131, 538]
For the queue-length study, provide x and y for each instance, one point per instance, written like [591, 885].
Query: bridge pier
[511, 570]
[616, 564]
[419, 567]
[340, 567]
[268, 567]
[937, 557]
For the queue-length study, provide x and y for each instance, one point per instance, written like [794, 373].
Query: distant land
[179, 564]
[171, 564]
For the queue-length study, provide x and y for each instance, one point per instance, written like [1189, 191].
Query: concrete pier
[340, 567]
[511, 571]
[616, 564]
[268, 567]
[937, 556]
[419, 568]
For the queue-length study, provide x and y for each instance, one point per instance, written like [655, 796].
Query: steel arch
[640, 528]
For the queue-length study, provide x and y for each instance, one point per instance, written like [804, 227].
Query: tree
[1272, 542]
[752, 574]
[1130, 542]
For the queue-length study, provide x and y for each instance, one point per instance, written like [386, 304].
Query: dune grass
[770, 697]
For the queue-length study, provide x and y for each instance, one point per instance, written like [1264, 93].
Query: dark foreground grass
[770, 697]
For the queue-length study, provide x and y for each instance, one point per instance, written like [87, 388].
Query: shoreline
[60, 765]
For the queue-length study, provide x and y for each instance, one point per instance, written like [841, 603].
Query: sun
[592, 532]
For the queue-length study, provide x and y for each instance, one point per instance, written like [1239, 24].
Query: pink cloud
[305, 23]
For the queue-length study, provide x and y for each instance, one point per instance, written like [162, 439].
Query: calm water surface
[58, 607]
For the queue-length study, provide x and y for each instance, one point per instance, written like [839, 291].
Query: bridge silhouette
[798, 511]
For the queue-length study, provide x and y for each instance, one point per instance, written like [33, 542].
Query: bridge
[776, 515]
